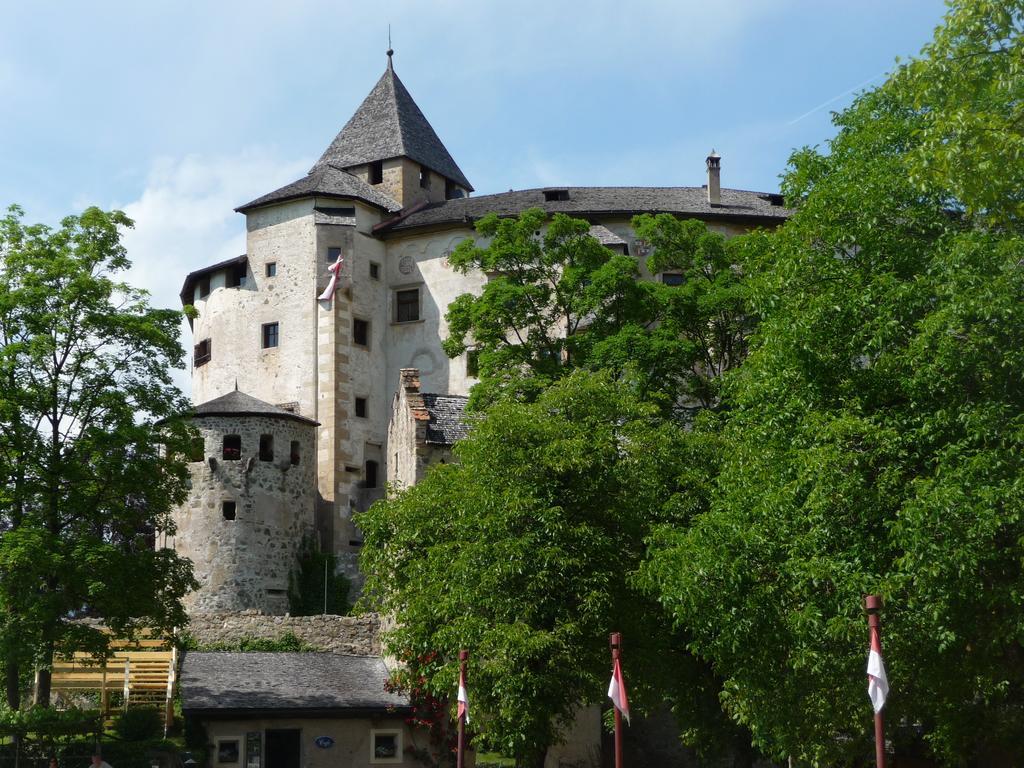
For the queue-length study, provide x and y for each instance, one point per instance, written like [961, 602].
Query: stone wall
[354, 635]
[243, 560]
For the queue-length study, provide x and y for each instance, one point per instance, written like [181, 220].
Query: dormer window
[552, 195]
[376, 172]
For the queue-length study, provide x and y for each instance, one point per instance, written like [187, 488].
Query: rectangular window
[270, 335]
[204, 287]
[266, 447]
[370, 474]
[227, 752]
[374, 271]
[376, 172]
[452, 190]
[361, 407]
[295, 453]
[235, 276]
[672, 278]
[407, 305]
[385, 746]
[201, 353]
[424, 177]
[271, 269]
[228, 510]
[361, 332]
[333, 254]
[553, 195]
[232, 450]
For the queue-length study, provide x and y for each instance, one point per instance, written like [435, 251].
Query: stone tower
[260, 326]
[251, 503]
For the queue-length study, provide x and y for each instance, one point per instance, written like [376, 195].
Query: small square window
[201, 353]
[270, 335]
[361, 407]
[360, 332]
[672, 278]
[271, 269]
[227, 752]
[333, 254]
[295, 453]
[385, 746]
[204, 287]
[227, 508]
[407, 305]
[374, 271]
[266, 447]
[232, 450]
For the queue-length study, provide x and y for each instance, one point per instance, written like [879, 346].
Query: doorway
[283, 748]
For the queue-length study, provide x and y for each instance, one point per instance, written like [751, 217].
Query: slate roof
[285, 682]
[326, 180]
[605, 236]
[600, 201]
[240, 404]
[447, 418]
[389, 124]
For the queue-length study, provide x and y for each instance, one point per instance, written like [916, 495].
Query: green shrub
[139, 724]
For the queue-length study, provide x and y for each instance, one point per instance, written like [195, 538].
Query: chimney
[714, 178]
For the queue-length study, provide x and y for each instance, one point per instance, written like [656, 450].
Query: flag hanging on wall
[335, 270]
[878, 683]
[617, 691]
[463, 698]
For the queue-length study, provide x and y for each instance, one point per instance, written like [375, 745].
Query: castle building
[335, 375]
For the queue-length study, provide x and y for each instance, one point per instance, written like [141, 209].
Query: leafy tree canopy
[84, 364]
[556, 301]
[873, 444]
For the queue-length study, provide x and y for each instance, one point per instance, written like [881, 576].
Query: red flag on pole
[463, 698]
[335, 270]
[617, 691]
[878, 683]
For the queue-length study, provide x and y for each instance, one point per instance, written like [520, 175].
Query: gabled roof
[323, 683]
[737, 204]
[447, 418]
[240, 404]
[326, 180]
[389, 124]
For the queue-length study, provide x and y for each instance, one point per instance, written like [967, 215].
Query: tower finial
[391, 51]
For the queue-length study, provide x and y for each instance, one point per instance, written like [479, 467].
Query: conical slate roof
[389, 124]
[240, 404]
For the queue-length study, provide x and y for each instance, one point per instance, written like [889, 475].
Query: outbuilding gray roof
[285, 682]
[447, 418]
[600, 202]
[240, 404]
[326, 180]
[389, 124]
[605, 236]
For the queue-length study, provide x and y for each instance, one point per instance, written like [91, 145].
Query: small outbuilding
[286, 710]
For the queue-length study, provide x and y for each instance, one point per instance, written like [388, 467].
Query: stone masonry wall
[354, 635]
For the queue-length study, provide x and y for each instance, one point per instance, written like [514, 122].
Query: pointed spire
[389, 124]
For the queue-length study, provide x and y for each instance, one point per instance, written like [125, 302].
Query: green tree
[556, 301]
[873, 443]
[522, 552]
[88, 475]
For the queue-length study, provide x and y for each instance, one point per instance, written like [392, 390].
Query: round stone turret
[251, 505]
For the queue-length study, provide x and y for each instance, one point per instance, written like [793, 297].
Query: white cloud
[185, 219]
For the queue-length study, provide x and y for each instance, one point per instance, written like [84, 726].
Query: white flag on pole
[463, 698]
[617, 691]
[878, 683]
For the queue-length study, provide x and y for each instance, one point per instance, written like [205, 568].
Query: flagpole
[615, 640]
[460, 754]
[873, 604]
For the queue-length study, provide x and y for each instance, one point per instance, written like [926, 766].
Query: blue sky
[178, 111]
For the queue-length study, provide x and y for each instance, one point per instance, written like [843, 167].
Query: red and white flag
[878, 683]
[463, 698]
[335, 270]
[617, 691]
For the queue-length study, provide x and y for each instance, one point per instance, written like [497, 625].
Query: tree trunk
[13, 684]
[532, 760]
[44, 677]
